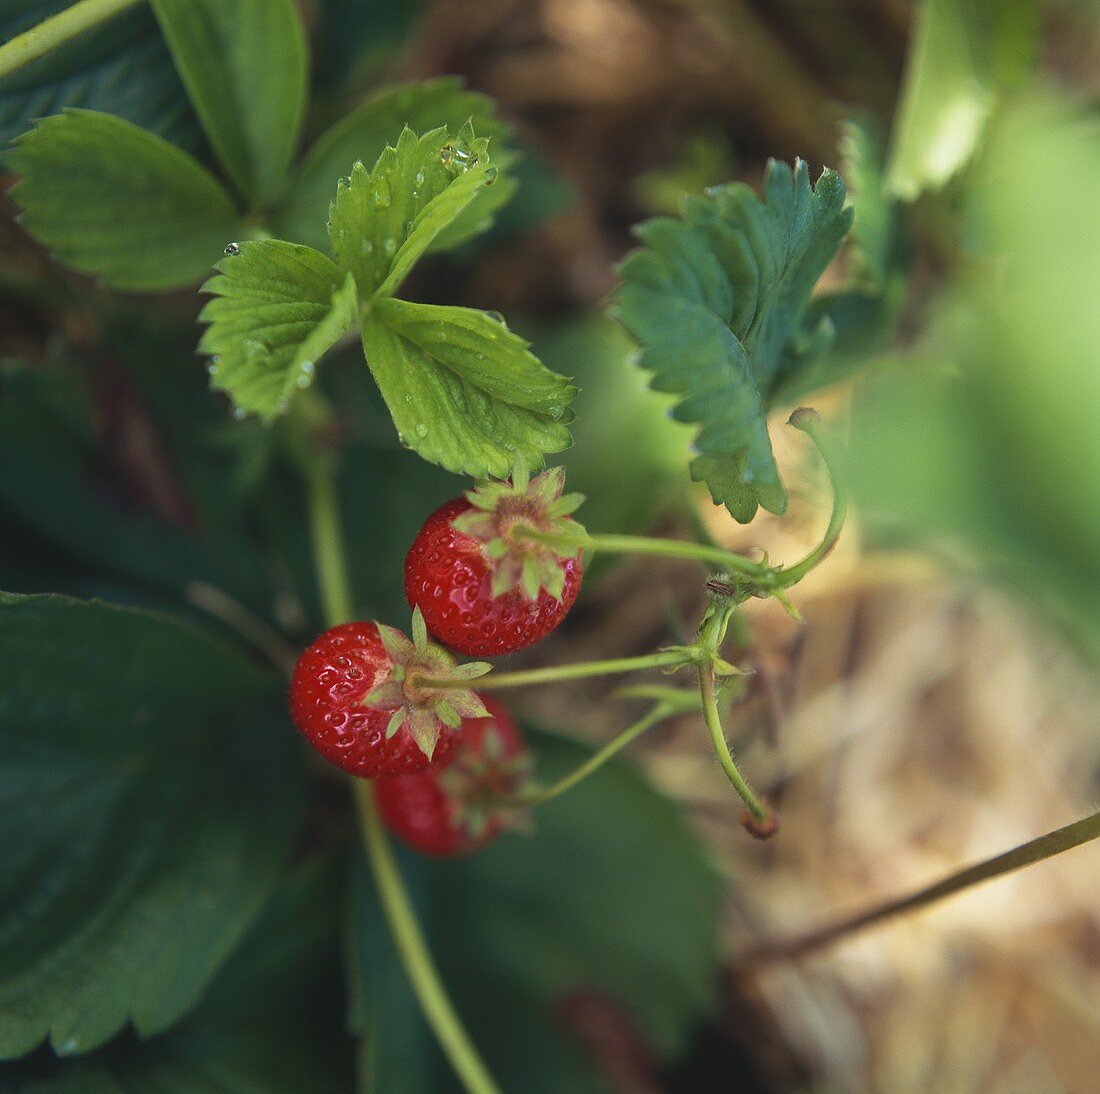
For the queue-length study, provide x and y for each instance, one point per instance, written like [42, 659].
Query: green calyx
[482, 786]
[425, 709]
[525, 530]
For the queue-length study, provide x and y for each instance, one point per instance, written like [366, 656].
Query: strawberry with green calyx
[357, 695]
[459, 804]
[498, 569]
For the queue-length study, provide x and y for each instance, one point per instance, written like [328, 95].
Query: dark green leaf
[270, 1022]
[112, 200]
[612, 898]
[363, 135]
[149, 798]
[244, 64]
[278, 307]
[384, 219]
[717, 301]
[463, 390]
[121, 67]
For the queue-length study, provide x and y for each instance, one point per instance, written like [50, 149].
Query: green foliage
[717, 300]
[244, 66]
[140, 212]
[464, 391]
[150, 798]
[269, 1022]
[988, 439]
[278, 308]
[121, 68]
[384, 219]
[363, 135]
[528, 923]
[964, 55]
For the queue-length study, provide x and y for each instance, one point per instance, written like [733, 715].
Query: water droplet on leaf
[233, 249]
[421, 429]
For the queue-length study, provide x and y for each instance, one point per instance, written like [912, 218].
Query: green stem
[721, 746]
[1027, 854]
[56, 31]
[328, 545]
[577, 671]
[595, 761]
[413, 949]
[400, 916]
[809, 423]
[729, 561]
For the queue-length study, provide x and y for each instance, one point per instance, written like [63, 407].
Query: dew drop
[233, 249]
[421, 429]
[343, 183]
[496, 317]
[381, 195]
[367, 246]
[490, 175]
[239, 413]
[419, 178]
[389, 247]
[212, 369]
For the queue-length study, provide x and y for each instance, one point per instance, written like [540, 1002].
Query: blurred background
[939, 705]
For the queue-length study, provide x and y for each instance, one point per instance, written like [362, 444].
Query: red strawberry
[354, 696]
[498, 569]
[453, 807]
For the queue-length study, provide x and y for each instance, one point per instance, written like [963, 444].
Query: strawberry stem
[413, 948]
[408, 938]
[542, 795]
[576, 671]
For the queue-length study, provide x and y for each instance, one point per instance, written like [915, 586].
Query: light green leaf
[363, 135]
[963, 54]
[717, 301]
[612, 895]
[384, 219]
[244, 65]
[278, 307]
[149, 795]
[112, 200]
[121, 67]
[464, 391]
[863, 151]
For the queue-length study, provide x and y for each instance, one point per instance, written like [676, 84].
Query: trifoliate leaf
[112, 200]
[384, 219]
[464, 391]
[362, 136]
[244, 66]
[278, 307]
[716, 299]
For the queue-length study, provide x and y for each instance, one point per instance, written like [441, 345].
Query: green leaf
[362, 136]
[963, 55]
[244, 65]
[139, 212]
[864, 153]
[150, 793]
[717, 301]
[121, 67]
[278, 307]
[463, 390]
[612, 897]
[271, 1021]
[384, 219]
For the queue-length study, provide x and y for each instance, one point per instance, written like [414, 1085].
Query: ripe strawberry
[355, 697]
[454, 807]
[498, 569]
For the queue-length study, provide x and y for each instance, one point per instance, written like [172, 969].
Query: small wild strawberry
[356, 696]
[498, 569]
[455, 806]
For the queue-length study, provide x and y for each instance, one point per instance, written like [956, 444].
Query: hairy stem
[596, 760]
[57, 30]
[407, 936]
[413, 949]
[579, 670]
[713, 719]
[1036, 850]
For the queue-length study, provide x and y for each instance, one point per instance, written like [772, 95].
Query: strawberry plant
[205, 554]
